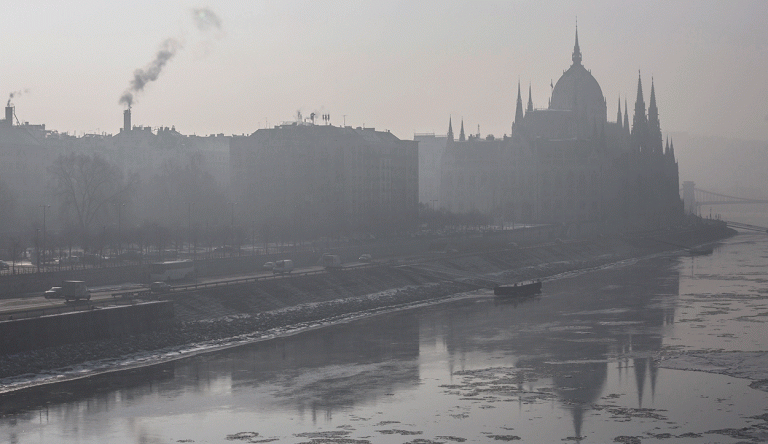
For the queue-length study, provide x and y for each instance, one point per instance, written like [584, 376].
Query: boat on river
[702, 250]
[518, 289]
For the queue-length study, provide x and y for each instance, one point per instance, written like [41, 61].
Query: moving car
[365, 257]
[4, 265]
[331, 261]
[283, 266]
[75, 290]
[53, 293]
[269, 265]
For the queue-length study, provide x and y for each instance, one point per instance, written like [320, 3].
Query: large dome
[578, 91]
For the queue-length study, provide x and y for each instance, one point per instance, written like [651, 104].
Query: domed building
[579, 92]
[567, 163]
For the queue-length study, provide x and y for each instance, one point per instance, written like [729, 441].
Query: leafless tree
[85, 186]
[8, 207]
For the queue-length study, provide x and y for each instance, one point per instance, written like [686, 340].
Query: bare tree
[8, 207]
[84, 186]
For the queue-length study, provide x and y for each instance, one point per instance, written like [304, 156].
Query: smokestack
[127, 120]
[9, 115]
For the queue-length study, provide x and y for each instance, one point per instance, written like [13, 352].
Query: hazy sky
[405, 66]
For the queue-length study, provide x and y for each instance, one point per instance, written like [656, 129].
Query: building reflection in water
[579, 333]
[599, 327]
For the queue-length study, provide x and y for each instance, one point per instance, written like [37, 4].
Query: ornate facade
[567, 163]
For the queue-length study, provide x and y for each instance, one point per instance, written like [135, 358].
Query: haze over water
[577, 361]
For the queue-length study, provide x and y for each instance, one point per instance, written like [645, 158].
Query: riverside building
[567, 163]
[326, 180]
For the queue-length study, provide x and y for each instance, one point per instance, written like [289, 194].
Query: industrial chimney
[9, 115]
[127, 120]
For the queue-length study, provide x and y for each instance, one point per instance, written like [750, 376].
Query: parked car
[269, 265]
[71, 260]
[53, 293]
[159, 287]
[4, 265]
[365, 257]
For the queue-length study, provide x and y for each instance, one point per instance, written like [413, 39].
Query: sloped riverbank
[215, 318]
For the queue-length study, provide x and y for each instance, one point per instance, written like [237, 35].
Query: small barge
[519, 289]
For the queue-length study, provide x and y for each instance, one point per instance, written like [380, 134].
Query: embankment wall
[110, 322]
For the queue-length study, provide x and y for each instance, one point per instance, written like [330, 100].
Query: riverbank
[212, 318]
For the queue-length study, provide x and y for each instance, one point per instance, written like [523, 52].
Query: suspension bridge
[694, 198]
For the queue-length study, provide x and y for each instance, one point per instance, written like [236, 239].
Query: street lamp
[233, 225]
[44, 207]
[189, 225]
[119, 235]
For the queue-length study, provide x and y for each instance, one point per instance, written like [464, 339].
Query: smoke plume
[16, 94]
[150, 73]
[206, 19]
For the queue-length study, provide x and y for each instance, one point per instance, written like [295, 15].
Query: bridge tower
[689, 197]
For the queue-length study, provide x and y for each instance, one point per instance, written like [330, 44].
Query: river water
[586, 361]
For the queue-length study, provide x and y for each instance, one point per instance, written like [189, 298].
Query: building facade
[567, 163]
[326, 180]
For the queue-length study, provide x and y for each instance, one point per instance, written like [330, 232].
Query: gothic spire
[618, 114]
[530, 100]
[519, 108]
[626, 116]
[640, 122]
[654, 126]
[450, 130]
[576, 57]
[461, 132]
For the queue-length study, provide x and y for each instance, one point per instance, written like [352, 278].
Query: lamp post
[119, 232]
[233, 226]
[44, 207]
[37, 248]
[189, 226]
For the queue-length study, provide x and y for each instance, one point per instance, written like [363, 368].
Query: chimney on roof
[9, 115]
[127, 120]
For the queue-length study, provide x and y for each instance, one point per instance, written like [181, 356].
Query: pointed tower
[461, 132]
[530, 100]
[626, 116]
[450, 130]
[519, 108]
[618, 114]
[655, 140]
[640, 122]
[576, 57]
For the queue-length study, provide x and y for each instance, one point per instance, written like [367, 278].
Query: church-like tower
[518, 108]
[640, 122]
[655, 141]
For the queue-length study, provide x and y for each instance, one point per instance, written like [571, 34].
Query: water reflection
[575, 332]
[583, 347]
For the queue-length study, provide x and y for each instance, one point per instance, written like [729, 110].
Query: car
[159, 287]
[283, 266]
[365, 257]
[53, 293]
[4, 265]
[269, 266]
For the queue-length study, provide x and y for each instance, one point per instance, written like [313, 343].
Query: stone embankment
[217, 314]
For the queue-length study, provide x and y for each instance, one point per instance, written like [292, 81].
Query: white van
[283, 266]
[331, 261]
[75, 290]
